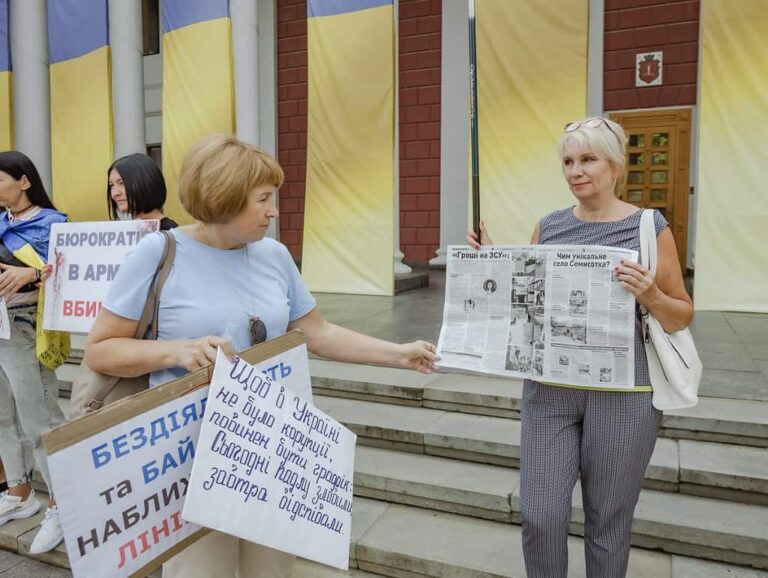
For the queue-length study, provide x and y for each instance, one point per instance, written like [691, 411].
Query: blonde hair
[607, 141]
[217, 174]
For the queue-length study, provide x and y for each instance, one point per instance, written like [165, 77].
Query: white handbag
[673, 362]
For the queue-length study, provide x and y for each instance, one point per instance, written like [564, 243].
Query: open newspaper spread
[553, 313]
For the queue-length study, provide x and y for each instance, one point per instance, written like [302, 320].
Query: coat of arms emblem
[649, 68]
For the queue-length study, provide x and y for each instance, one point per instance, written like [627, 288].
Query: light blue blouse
[212, 291]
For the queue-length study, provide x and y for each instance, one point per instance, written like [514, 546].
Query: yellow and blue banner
[81, 106]
[6, 88]
[198, 83]
[349, 203]
[531, 81]
[732, 214]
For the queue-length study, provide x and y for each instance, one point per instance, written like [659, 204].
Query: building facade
[642, 66]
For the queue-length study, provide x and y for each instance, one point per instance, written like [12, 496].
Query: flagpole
[473, 121]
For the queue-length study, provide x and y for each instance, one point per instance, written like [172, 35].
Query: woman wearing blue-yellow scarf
[28, 386]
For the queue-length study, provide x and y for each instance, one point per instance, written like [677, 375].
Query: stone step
[307, 569]
[17, 535]
[733, 421]
[714, 419]
[409, 542]
[701, 468]
[689, 525]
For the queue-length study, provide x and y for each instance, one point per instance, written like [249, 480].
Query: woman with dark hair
[28, 386]
[136, 187]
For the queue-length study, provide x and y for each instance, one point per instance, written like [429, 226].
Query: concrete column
[454, 129]
[400, 267]
[245, 52]
[267, 77]
[254, 54]
[595, 58]
[127, 48]
[31, 84]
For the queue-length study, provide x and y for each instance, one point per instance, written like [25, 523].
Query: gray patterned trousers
[608, 437]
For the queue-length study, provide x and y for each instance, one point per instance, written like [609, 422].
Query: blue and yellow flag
[81, 106]
[6, 112]
[349, 203]
[28, 241]
[198, 83]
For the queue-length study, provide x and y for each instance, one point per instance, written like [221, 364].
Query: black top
[166, 224]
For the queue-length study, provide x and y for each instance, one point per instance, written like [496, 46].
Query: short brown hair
[217, 174]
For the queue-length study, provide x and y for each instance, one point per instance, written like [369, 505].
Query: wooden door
[658, 166]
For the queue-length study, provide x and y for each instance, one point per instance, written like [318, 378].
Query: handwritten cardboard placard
[271, 468]
[85, 259]
[121, 474]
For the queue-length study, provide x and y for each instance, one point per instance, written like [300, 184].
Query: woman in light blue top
[227, 278]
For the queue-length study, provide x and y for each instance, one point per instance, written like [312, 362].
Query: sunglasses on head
[593, 122]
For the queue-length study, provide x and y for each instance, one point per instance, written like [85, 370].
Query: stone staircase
[437, 485]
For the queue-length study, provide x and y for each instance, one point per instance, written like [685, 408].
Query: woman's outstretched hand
[485, 239]
[419, 355]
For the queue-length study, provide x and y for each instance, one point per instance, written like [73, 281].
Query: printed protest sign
[85, 259]
[121, 474]
[271, 468]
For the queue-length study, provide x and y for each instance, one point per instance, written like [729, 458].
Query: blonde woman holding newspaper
[606, 436]
[227, 277]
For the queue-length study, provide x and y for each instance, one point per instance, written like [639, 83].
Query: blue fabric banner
[5, 36]
[332, 7]
[180, 13]
[75, 28]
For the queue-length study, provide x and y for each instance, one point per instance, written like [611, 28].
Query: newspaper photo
[553, 313]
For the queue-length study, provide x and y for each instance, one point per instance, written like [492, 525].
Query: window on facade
[150, 13]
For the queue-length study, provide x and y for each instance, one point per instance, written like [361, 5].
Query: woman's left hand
[639, 281]
[14, 278]
[418, 355]
[44, 274]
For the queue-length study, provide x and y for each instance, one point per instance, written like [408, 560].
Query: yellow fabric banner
[81, 134]
[531, 81]
[6, 112]
[732, 214]
[349, 204]
[198, 95]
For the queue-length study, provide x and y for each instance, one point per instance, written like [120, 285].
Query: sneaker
[14, 508]
[50, 534]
